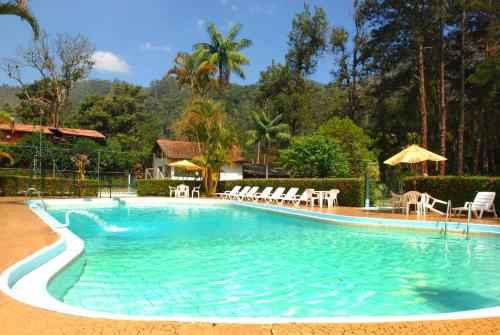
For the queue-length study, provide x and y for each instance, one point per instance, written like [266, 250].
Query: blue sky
[136, 41]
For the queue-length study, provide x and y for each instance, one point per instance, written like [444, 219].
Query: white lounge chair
[307, 196]
[483, 202]
[225, 194]
[277, 194]
[263, 195]
[427, 203]
[172, 190]
[240, 193]
[331, 197]
[249, 195]
[289, 196]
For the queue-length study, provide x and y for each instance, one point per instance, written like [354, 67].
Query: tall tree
[268, 129]
[307, 40]
[461, 127]
[204, 122]
[189, 70]
[442, 10]
[19, 9]
[419, 39]
[224, 53]
[59, 65]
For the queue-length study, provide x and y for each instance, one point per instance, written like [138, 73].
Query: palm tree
[19, 9]
[267, 131]
[204, 123]
[224, 53]
[188, 70]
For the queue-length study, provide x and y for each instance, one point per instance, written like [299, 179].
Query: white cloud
[200, 24]
[108, 61]
[224, 2]
[150, 46]
[258, 9]
[234, 7]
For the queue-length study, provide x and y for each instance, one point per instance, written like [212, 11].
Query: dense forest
[420, 71]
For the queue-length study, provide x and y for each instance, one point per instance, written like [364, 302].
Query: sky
[136, 40]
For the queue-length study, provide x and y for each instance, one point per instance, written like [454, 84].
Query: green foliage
[315, 157]
[122, 116]
[204, 123]
[152, 187]
[267, 131]
[17, 185]
[454, 188]
[224, 53]
[354, 142]
[352, 190]
[20, 10]
[307, 40]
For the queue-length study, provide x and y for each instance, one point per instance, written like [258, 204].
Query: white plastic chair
[241, 193]
[289, 196]
[277, 194]
[411, 198]
[228, 193]
[306, 196]
[396, 201]
[427, 203]
[182, 191]
[263, 195]
[196, 190]
[483, 202]
[331, 198]
[249, 194]
[172, 190]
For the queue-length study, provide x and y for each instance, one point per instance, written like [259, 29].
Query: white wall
[232, 172]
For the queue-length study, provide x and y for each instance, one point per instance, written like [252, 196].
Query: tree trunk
[442, 102]
[461, 104]
[423, 108]
[258, 152]
[477, 143]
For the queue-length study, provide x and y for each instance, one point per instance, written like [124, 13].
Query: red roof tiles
[29, 128]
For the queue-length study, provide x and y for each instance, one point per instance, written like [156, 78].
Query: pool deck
[22, 233]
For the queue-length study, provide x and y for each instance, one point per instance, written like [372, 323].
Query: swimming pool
[230, 261]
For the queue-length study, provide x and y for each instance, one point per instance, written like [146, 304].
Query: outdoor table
[321, 197]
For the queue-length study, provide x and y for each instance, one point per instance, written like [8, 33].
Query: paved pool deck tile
[22, 233]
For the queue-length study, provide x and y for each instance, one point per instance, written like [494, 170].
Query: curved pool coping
[27, 280]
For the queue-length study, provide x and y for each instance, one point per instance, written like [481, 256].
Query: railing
[32, 189]
[448, 213]
[153, 173]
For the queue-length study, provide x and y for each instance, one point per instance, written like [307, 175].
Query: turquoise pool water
[232, 261]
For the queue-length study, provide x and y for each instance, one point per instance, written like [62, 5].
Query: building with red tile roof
[13, 133]
[168, 151]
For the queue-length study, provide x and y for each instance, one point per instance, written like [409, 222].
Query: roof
[29, 128]
[188, 150]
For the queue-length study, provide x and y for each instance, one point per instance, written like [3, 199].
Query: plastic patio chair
[483, 202]
[411, 198]
[241, 193]
[331, 198]
[263, 195]
[196, 190]
[249, 195]
[427, 203]
[228, 193]
[289, 196]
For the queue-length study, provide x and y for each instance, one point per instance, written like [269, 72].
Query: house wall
[232, 172]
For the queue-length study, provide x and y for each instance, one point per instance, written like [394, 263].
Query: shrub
[454, 188]
[11, 185]
[352, 191]
[155, 187]
[315, 157]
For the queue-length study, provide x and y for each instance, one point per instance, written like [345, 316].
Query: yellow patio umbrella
[414, 154]
[187, 165]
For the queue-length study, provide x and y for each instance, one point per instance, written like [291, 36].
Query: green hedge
[155, 187]
[352, 190]
[454, 188]
[17, 185]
